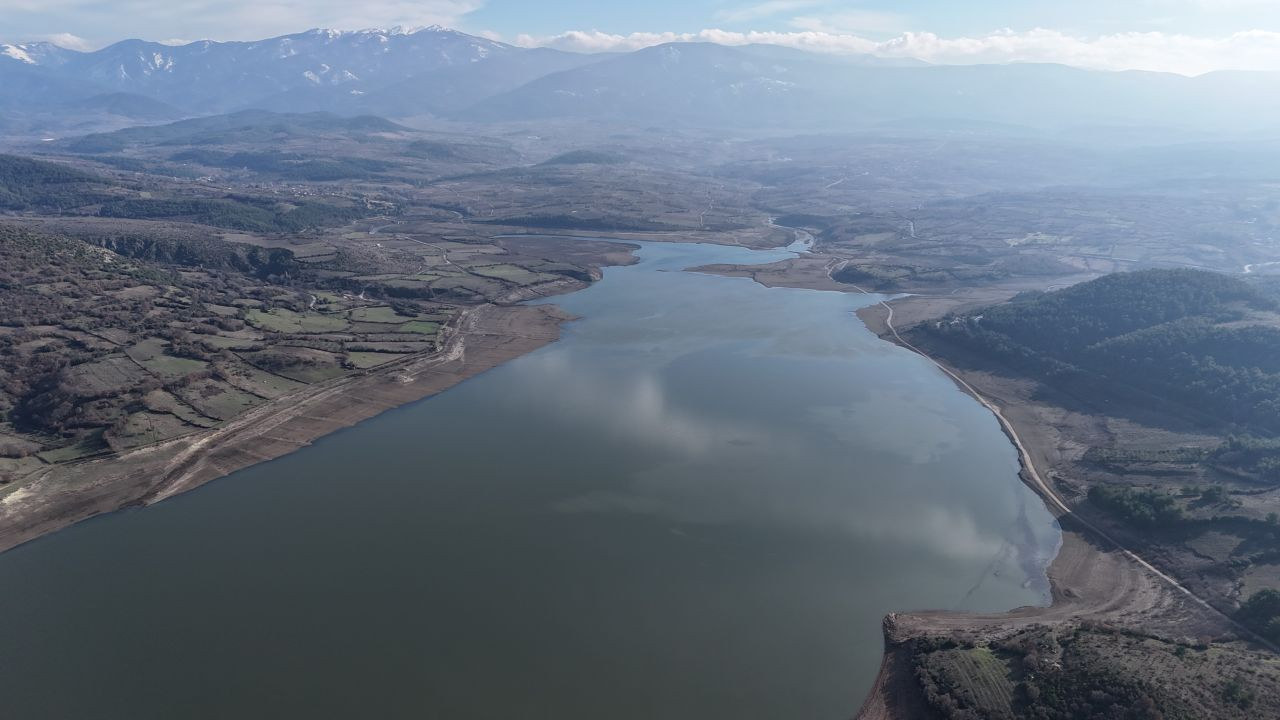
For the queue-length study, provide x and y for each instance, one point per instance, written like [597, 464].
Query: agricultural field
[1088, 671]
[160, 319]
[105, 354]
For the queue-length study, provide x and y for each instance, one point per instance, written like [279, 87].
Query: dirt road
[1093, 577]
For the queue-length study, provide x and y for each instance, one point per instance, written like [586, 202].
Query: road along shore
[1092, 578]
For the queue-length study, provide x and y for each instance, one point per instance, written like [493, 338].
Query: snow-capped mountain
[43, 54]
[208, 76]
[402, 73]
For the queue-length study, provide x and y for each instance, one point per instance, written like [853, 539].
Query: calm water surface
[699, 504]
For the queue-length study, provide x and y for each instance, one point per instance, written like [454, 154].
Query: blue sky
[943, 17]
[1188, 36]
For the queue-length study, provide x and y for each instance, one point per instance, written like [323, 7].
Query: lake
[699, 504]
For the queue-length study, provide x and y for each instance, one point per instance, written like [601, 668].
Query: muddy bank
[486, 336]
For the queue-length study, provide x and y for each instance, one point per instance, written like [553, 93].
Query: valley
[205, 271]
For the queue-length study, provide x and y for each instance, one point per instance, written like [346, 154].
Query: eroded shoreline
[1092, 578]
[486, 337]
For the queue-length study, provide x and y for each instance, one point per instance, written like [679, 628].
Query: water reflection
[699, 504]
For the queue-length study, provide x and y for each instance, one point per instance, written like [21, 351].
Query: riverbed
[699, 503]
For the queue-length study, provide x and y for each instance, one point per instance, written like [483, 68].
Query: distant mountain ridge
[208, 76]
[761, 86]
[402, 73]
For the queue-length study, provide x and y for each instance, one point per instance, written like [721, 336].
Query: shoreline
[1092, 577]
[486, 336]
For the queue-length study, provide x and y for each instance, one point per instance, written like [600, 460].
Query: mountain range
[440, 72]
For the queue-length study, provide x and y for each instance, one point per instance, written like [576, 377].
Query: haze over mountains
[448, 74]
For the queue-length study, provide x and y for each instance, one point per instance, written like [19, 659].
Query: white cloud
[852, 21]
[65, 40]
[1220, 4]
[1155, 51]
[106, 22]
[769, 8]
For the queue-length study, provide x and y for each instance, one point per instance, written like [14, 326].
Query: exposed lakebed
[699, 503]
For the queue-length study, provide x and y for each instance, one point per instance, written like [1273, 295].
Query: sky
[1186, 36]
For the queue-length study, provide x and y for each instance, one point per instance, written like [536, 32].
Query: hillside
[1094, 671]
[118, 341]
[27, 184]
[1152, 402]
[1206, 341]
[250, 126]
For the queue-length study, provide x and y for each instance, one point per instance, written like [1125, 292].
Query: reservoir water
[699, 504]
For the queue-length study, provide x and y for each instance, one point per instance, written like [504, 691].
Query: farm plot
[512, 273]
[975, 677]
[364, 360]
[161, 401]
[150, 354]
[217, 399]
[258, 382]
[88, 445]
[420, 327]
[378, 314]
[305, 365]
[104, 376]
[283, 320]
[146, 428]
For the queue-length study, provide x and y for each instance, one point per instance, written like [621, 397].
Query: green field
[392, 347]
[145, 428]
[223, 310]
[263, 384]
[217, 399]
[161, 401]
[421, 327]
[512, 273]
[282, 320]
[104, 375]
[381, 314]
[150, 354]
[221, 342]
[91, 444]
[364, 360]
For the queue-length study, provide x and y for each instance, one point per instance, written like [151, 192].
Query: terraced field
[152, 355]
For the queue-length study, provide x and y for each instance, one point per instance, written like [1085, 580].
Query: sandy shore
[485, 336]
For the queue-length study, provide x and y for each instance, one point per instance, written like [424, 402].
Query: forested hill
[27, 184]
[1198, 338]
[249, 126]
[1114, 305]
